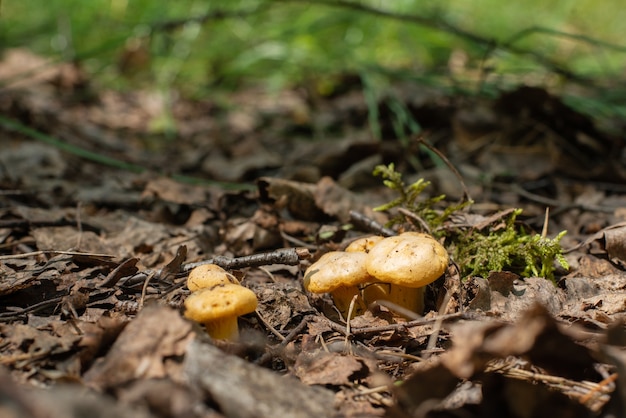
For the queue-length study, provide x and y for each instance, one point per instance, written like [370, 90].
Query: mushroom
[405, 263]
[208, 275]
[218, 307]
[339, 273]
[364, 244]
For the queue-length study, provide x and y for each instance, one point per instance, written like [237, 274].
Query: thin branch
[393, 327]
[491, 44]
[53, 252]
[214, 15]
[466, 195]
[575, 36]
[367, 224]
[288, 256]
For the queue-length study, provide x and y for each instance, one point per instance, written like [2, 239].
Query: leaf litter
[94, 259]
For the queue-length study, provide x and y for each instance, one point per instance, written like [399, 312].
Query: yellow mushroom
[218, 308]
[208, 275]
[405, 264]
[339, 273]
[364, 244]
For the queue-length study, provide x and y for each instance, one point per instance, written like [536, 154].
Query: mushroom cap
[335, 269]
[207, 275]
[364, 244]
[220, 301]
[410, 259]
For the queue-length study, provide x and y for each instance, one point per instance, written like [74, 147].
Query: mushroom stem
[342, 296]
[411, 298]
[218, 307]
[223, 329]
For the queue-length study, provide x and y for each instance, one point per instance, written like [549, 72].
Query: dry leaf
[322, 368]
[143, 349]
[244, 390]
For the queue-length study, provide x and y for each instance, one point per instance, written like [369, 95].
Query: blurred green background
[127, 44]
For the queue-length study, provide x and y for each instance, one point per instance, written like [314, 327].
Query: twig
[144, 289]
[43, 252]
[8, 316]
[289, 256]
[547, 31]
[393, 327]
[491, 44]
[546, 220]
[415, 217]
[434, 335]
[367, 224]
[400, 310]
[269, 326]
[612, 378]
[466, 196]
[285, 340]
[296, 241]
[346, 342]
[171, 25]
[113, 277]
[79, 226]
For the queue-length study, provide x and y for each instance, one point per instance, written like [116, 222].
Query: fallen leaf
[144, 349]
[322, 368]
[244, 390]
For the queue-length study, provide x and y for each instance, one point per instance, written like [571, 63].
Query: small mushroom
[208, 275]
[218, 308]
[364, 244]
[405, 263]
[339, 273]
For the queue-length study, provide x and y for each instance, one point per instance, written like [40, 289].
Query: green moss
[504, 245]
[410, 199]
[507, 247]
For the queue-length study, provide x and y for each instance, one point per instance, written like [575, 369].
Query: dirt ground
[98, 235]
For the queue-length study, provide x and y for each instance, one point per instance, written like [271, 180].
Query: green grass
[288, 42]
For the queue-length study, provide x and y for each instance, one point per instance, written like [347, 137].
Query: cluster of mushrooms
[394, 269]
[217, 300]
[370, 269]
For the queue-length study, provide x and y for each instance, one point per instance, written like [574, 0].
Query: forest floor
[95, 253]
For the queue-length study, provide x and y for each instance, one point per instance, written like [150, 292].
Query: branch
[171, 25]
[552, 32]
[491, 44]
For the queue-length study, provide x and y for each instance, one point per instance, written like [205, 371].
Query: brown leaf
[337, 201]
[535, 336]
[244, 390]
[26, 339]
[615, 243]
[175, 192]
[297, 197]
[142, 350]
[322, 368]
[281, 305]
[60, 401]
[502, 282]
[426, 389]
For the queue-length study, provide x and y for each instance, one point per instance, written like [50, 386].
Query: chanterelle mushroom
[218, 307]
[208, 275]
[339, 273]
[406, 263]
[363, 244]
